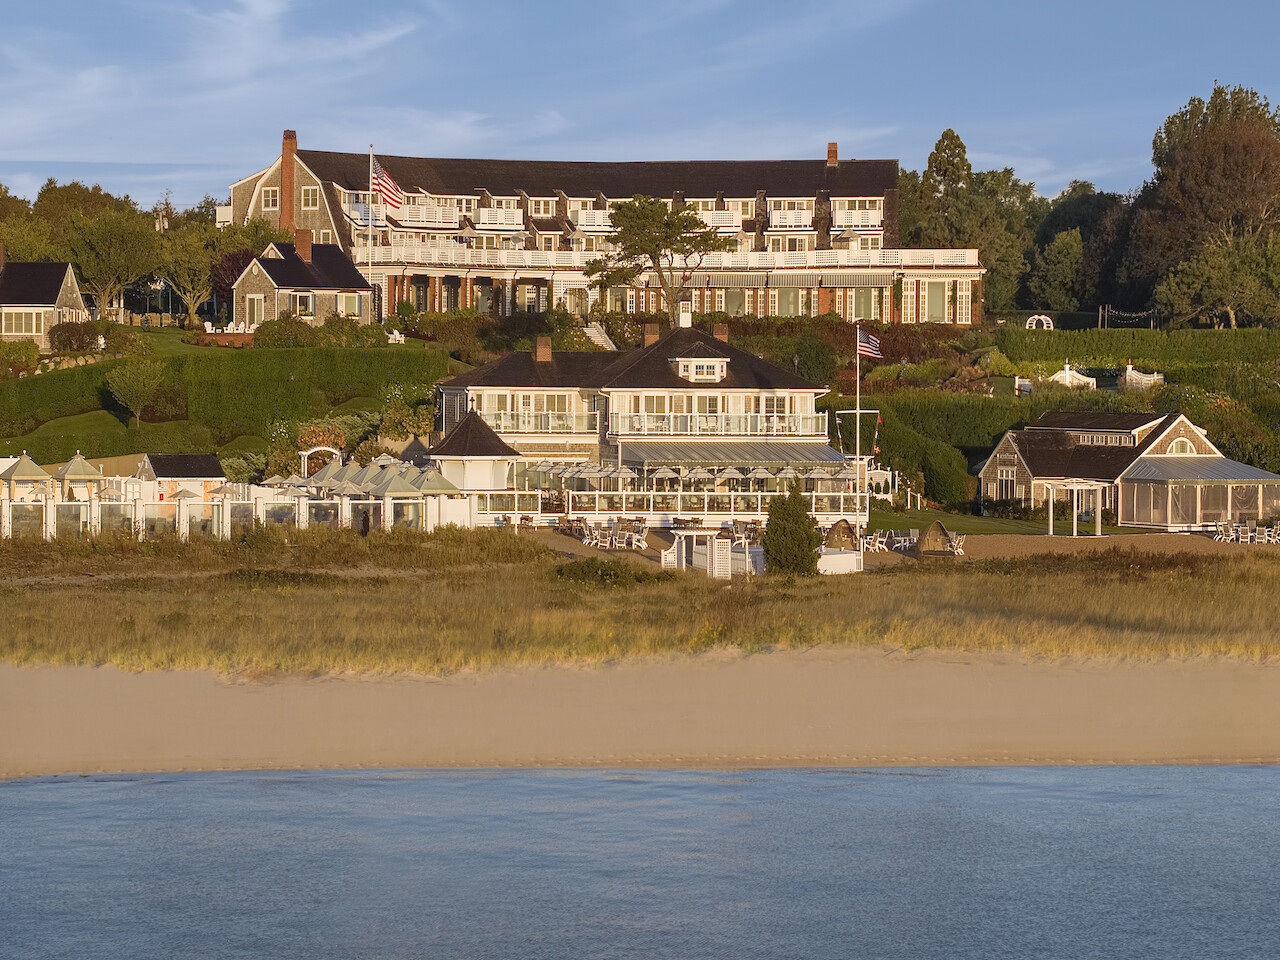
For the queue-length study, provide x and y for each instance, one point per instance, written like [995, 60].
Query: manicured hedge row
[1113, 348]
[232, 392]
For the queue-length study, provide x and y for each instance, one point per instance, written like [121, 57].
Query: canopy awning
[800, 281]
[729, 453]
[856, 280]
[737, 281]
[1201, 470]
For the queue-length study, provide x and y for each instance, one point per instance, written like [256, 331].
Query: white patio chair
[957, 544]
[208, 327]
[640, 537]
[1219, 531]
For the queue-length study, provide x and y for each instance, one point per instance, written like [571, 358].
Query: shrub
[791, 538]
[349, 332]
[285, 331]
[18, 356]
[70, 337]
[608, 573]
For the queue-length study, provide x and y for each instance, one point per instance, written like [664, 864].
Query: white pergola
[1076, 487]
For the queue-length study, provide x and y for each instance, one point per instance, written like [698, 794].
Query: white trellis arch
[1040, 322]
[323, 448]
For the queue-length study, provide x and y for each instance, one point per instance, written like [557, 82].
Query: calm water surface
[1117, 862]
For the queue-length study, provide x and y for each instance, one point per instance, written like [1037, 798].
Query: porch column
[386, 513]
[1097, 514]
[1075, 512]
[1049, 506]
[1198, 516]
[180, 519]
[95, 516]
[6, 519]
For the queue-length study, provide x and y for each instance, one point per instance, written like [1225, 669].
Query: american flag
[386, 187]
[868, 346]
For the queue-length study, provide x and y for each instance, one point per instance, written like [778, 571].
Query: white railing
[591, 219]
[856, 218]
[457, 254]
[499, 217]
[521, 422]
[719, 425]
[786, 219]
[427, 215]
[720, 218]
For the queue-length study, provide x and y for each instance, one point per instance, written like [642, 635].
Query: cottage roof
[472, 438]
[185, 466]
[1199, 470]
[648, 367]
[543, 178]
[1094, 421]
[1055, 453]
[32, 284]
[329, 269]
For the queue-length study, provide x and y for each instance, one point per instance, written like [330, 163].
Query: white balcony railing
[423, 215]
[856, 218]
[718, 425]
[499, 217]
[788, 219]
[522, 422]
[458, 254]
[721, 218]
[591, 219]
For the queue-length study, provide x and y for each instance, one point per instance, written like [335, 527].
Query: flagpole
[857, 429]
[369, 237]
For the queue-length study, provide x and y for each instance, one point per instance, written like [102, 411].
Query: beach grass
[323, 602]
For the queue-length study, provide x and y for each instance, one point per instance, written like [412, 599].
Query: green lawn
[965, 523]
[97, 434]
[167, 342]
[245, 443]
[358, 405]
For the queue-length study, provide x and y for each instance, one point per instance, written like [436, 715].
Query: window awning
[751, 453]
[737, 281]
[801, 280]
[699, 280]
[856, 280]
[1195, 470]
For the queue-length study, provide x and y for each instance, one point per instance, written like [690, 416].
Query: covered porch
[1193, 493]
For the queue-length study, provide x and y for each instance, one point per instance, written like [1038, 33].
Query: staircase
[596, 334]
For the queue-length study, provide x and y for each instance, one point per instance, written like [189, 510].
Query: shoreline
[820, 706]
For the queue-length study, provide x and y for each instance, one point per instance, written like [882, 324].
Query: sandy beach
[823, 706]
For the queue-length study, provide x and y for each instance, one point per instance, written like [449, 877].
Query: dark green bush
[791, 538]
[608, 573]
[71, 338]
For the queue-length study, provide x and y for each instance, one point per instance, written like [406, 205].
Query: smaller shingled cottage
[34, 297]
[311, 280]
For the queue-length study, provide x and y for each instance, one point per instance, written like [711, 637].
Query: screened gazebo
[1182, 493]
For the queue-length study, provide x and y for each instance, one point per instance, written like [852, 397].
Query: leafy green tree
[112, 251]
[649, 235]
[58, 204]
[1224, 104]
[1055, 277]
[187, 258]
[1224, 281]
[136, 383]
[12, 205]
[791, 538]
[28, 239]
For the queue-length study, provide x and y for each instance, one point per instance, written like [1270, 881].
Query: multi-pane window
[1006, 480]
[23, 321]
[542, 208]
[270, 198]
[935, 311]
[909, 301]
[310, 198]
[326, 236]
[350, 304]
[789, 244]
[302, 304]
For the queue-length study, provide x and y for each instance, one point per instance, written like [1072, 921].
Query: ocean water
[1163, 862]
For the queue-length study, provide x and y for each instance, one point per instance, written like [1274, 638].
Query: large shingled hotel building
[504, 236]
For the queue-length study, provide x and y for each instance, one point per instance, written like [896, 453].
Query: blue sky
[148, 95]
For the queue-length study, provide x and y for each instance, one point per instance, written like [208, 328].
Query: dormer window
[702, 369]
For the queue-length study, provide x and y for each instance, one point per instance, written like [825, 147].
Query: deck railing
[722, 425]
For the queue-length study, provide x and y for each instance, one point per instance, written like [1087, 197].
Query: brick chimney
[288, 150]
[650, 334]
[302, 243]
[720, 331]
[833, 155]
[542, 350]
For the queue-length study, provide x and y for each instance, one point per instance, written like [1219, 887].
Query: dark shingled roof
[542, 178]
[472, 437]
[329, 269]
[648, 367]
[1068, 420]
[1054, 453]
[32, 284]
[186, 466]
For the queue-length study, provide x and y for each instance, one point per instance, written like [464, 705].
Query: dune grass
[327, 602]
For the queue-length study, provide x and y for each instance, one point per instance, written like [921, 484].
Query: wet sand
[824, 706]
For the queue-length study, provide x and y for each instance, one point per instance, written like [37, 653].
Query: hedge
[232, 392]
[1113, 348]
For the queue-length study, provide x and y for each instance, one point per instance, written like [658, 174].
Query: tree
[187, 260]
[11, 205]
[112, 251]
[1236, 103]
[28, 239]
[1055, 277]
[57, 204]
[791, 538]
[649, 235]
[1225, 280]
[136, 383]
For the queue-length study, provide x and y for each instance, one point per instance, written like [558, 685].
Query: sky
[144, 96]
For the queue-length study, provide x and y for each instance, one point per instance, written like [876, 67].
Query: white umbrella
[760, 473]
[731, 473]
[625, 473]
[787, 473]
[664, 473]
[846, 473]
[591, 471]
[273, 481]
[558, 469]
[817, 473]
[542, 466]
[699, 473]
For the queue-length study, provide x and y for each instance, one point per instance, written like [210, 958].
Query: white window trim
[310, 191]
[271, 194]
